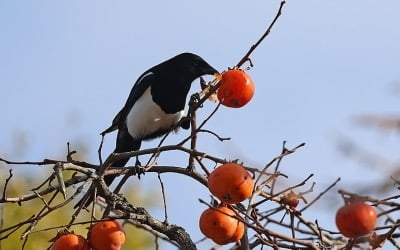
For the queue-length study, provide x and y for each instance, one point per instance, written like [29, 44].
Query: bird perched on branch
[155, 105]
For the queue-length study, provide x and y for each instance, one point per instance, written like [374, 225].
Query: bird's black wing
[144, 81]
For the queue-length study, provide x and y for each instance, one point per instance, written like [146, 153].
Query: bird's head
[190, 66]
[195, 64]
[173, 79]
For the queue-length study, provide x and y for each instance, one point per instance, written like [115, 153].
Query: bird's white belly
[146, 117]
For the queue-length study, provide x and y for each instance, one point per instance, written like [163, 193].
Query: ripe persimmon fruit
[238, 233]
[356, 219]
[106, 235]
[231, 183]
[236, 89]
[70, 241]
[219, 225]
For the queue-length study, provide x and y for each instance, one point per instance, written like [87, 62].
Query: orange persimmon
[231, 183]
[236, 89]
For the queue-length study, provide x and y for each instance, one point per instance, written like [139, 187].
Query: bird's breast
[147, 120]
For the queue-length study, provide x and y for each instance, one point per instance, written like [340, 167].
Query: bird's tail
[125, 143]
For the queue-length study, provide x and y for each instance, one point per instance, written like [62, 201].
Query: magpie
[155, 105]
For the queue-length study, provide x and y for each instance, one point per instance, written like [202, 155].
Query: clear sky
[66, 68]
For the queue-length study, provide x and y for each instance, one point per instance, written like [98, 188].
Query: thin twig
[270, 197]
[22, 198]
[246, 57]
[193, 132]
[99, 150]
[278, 163]
[164, 199]
[50, 162]
[320, 195]
[58, 173]
[1, 223]
[47, 180]
[214, 134]
[6, 185]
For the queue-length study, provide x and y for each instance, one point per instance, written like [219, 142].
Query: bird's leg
[139, 170]
[185, 121]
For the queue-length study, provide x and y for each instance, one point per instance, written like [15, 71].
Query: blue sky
[66, 68]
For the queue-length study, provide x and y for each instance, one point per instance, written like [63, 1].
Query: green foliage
[47, 227]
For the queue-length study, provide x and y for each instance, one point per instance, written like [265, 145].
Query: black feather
[169, 84]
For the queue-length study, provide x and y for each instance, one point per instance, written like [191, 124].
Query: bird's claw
[195, 98]
[139, 170]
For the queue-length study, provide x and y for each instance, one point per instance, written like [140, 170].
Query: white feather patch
[146, 117]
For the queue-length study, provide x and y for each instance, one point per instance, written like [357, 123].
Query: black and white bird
[155, 105]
